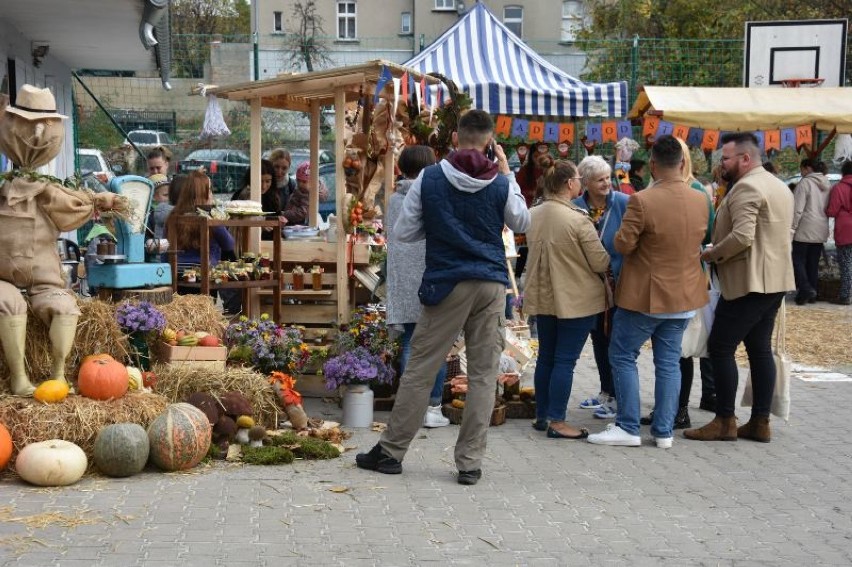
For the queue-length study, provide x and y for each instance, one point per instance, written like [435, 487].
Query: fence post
[634, 67]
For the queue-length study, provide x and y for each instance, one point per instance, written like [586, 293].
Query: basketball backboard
[796, 49]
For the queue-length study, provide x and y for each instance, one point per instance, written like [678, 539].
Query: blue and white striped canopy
[504, 76]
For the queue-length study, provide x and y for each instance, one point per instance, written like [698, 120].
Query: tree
[195, 22]
[306, 45]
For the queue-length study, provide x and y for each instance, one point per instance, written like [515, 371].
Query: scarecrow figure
[34, 209]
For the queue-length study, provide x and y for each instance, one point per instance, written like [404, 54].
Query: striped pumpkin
[179, 437]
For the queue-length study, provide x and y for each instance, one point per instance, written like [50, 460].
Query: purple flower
[356, 366]
[141, 317]
[266, 345]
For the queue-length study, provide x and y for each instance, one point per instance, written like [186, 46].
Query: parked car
[148, 139]
[226, 168]
[93, 161]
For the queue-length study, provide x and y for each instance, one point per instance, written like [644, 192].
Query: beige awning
[735, 109]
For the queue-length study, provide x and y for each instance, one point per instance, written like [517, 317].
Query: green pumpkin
[121, 449]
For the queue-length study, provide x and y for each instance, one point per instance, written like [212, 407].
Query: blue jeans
[560, 342]
[437, 395]
[630, 330]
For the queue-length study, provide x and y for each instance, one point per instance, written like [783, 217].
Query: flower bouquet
[368, 328]
[356, 366]
[266, 345]
[140, 321]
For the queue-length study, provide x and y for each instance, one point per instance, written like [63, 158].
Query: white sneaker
[663, 442]
[614, 435]
[435, 418]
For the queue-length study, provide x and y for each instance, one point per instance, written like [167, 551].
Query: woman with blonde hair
[563, 247]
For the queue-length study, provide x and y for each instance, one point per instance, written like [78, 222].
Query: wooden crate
[454, 414]
[207, 357]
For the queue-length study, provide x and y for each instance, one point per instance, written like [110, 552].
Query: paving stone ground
[541, 502]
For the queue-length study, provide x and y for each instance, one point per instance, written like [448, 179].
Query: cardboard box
[207, 357]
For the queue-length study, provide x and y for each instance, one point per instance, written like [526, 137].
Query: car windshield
[143, 137]
[207, 155]
[165, 138]
[89, 163]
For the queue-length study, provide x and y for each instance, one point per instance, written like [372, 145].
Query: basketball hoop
[796, 83]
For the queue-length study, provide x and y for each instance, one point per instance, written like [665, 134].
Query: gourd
[121, 449]
[179, 437]
[51, 391]
[102, 377]
[5, 446]
[51, 463]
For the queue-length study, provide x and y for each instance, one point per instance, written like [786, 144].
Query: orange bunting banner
[566, 133]
[681, 132]
[650, 125]
[503, 126]
[772, 140]
[804, 136]
[610, 132]
[710, 140]
[536, 132]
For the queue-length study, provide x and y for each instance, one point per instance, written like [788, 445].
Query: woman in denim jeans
[606, 209]
[563, 247]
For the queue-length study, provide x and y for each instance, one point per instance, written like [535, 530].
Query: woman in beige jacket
[564, 290]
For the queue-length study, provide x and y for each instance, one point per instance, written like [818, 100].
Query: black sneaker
[648, 419]
[378, 460]
[470, 477]
[682, 419]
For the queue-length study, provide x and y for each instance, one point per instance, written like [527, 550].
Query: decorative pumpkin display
[121, 449]
[5, 447]
[51, 463]
[52, 391]
[134, 378]
[179, 437]
[102, 378]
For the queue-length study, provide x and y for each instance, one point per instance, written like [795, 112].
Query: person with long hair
[285, 184]
[563, 247]
[269, 197]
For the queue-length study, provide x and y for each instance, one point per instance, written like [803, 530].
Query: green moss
[269, 455]
[305, 447]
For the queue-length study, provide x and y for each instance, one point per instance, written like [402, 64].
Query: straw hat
[33, 103]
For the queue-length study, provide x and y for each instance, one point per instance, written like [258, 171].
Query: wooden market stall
[310, 92]
[735, 109]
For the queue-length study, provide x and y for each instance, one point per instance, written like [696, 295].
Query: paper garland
[558, 132]
[710, 140]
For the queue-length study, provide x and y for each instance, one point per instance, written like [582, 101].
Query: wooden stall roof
[296, 91]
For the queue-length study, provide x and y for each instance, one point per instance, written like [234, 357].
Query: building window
[572, 19]
[346, 19]
[405, 23]
[513, 18]
[277, 23]
[445, 4]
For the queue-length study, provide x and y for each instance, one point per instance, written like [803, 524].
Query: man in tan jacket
[660, 287]
[752, 256]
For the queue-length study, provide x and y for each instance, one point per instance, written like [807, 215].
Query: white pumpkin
[51, 463]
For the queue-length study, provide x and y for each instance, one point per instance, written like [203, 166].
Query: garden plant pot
[358, 406]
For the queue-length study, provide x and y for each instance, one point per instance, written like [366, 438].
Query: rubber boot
[13, 335]
[757, 429]
[63, 330]
[720, 429]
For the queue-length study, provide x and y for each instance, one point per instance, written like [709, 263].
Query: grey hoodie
[406, 264]
[810, 223]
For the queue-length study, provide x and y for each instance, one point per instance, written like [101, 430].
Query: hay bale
[177, 382]
[195, 313]
[77, 419]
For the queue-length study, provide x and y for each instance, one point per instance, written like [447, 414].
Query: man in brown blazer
[660, 287]
[752, 246]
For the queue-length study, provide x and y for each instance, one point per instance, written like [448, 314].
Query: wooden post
[255, 153]
[340, 184]
[389, 160]
[313, 207]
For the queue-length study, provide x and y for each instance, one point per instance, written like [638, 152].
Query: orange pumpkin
[5, 446]
[102, 377]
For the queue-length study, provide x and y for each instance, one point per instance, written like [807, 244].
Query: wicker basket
[498, 415]
[453, 366]
[517, 409]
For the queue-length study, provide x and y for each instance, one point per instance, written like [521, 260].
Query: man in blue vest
[459, 206]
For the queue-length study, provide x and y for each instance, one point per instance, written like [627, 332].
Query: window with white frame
[346, 16]
[572, 19]
[277, 22]
[405, 23]
[445, 4]
[513, 18]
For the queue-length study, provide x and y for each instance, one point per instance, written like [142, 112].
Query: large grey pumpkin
[121, 449]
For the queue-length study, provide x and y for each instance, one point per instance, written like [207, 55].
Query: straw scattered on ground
[81, 517]
[177, 382]
[77, 419]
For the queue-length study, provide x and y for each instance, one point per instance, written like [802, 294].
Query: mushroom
[244, 423]
[256, 435]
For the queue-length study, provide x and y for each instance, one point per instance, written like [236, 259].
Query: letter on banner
[503, 126]
[696, 135]
[566, 133]
[551, 132]
[536, 131]
[681, 131]
[520, 128]
[624, 128]
[610, 132]
[804, 136]
[665, 128]
[772, 140]
[788, 138]
[593, 132]
[650, 125]
[709, 141]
